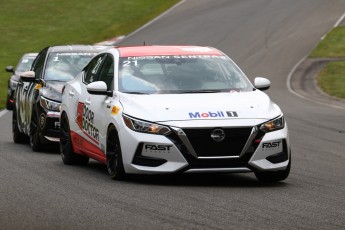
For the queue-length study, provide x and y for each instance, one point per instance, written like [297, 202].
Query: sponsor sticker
[276, 146]
[156, 148]
[42, 120]
[85, 120]
[213, 114]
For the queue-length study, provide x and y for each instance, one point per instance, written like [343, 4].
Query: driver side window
[107, 72]
[38, 64]
[93, 69]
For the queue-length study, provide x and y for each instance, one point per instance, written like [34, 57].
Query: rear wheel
[273, 176]
[35, 133]
[66, 148]
[114, 156]
[18, 137]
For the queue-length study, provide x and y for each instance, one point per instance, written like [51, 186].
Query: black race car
[38, 94]
[23, 65]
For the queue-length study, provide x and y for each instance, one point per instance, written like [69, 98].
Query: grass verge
[332, 78]
[29, 26]
[333, 45]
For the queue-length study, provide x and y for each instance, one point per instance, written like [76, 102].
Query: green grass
[30, 25]
[332, 79]
[333, 45]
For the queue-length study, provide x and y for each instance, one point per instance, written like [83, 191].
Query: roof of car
[129, 51]
[77, 48]
[30, 55]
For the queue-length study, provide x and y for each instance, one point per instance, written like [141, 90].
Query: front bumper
[190, 151]
[49, 126]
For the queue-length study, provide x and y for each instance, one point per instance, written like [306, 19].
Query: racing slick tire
[18, 137]
[273, 176]
[66, 148]
[114, 156]
[34, 136]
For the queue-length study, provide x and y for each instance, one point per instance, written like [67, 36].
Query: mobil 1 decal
[85, 121]
[213, 114]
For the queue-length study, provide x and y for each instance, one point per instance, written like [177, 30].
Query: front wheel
[274, 176]
[66, 148]
[114, 156]
[35, 130]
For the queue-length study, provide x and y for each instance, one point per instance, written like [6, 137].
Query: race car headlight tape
[50, 105]
[273, 125]
[145, 127]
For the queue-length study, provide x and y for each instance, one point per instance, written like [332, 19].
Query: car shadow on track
[190, 180]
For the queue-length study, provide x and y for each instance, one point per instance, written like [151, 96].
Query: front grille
[205, 146]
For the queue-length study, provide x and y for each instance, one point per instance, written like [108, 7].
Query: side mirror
[10, 69]
[262, 83]
[99, 88]
[28, 76]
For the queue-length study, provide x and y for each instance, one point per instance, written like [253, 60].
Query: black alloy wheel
[66, 147]
[114, 156]
[35, 130]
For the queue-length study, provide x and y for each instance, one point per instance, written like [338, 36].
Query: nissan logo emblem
[218, 135]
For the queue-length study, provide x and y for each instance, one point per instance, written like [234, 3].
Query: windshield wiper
[201, 91]
[58, 80]
[133, 92]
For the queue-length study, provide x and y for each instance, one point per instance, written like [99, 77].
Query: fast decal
[157, 148]
[216, 114]
[115, 110]
[85, 121]
[272, 146]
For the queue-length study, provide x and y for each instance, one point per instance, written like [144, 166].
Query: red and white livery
[172, 109]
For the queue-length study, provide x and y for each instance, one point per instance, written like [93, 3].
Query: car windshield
[25, 63]
[65, 66]
[181, 74]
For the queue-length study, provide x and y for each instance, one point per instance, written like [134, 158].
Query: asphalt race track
[266, 38]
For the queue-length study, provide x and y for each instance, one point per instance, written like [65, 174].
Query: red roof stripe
[131, 51]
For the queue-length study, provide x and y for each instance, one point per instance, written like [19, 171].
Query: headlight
[145, 127]
[13, 84]
[273, 125]
[49, 105]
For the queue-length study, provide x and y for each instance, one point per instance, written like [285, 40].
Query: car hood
[206, 106]
[53, 90]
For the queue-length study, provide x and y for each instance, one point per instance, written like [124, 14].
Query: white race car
[172, 109]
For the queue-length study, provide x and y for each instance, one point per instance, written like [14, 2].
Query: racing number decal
[85, 121]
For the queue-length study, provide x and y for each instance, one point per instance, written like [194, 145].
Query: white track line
[3, 112]
[291, 73]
